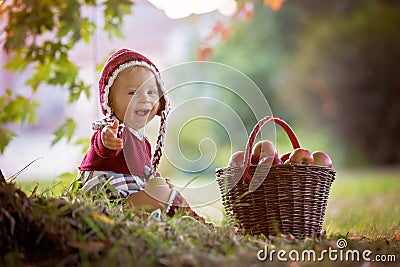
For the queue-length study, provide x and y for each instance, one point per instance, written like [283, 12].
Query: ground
[363, 211]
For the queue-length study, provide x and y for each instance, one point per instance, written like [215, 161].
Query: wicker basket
[291, 198]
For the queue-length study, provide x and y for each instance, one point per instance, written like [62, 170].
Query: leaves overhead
[38, 35]
[15, 109]
[221, 32]
[66, 130]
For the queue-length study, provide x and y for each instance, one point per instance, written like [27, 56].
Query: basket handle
[256, 130]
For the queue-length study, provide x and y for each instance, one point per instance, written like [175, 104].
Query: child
[131, 95]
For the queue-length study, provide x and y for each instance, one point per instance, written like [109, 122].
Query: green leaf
[13, 109]
[16, 63]
[6, 136]
[126, 8]
[39, 35]
[9, 92]
[63, 72]
[17, 109]
[84, 143]
[90, 2]
[67, 176]
[74, 187]
[66, 130]
[41, 75]
[63, 30]
[76, 90]
[113, 29]
[29, 112]
[87, 29]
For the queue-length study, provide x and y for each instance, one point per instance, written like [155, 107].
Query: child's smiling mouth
[142, 112]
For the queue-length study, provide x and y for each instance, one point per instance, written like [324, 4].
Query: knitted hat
[117, 62]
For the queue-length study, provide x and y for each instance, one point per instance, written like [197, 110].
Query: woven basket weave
[292, 198]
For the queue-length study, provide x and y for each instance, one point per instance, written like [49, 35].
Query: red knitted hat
[117, 62]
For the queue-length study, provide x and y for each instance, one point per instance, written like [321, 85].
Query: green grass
[44, 187]
[364, 207]
[365, 203]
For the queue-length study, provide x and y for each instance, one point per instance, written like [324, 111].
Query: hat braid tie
[160, 142]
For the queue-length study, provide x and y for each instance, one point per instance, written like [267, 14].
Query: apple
[156, 181]
[270, 161]
[263, 149]
[277, 161]
[301, 156]
[285, 157]
[237, 159]
[322, 159]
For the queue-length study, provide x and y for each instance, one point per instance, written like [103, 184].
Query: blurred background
[330, 69]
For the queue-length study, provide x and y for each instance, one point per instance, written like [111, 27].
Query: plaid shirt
[123, 184]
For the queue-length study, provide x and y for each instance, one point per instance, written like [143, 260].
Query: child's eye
[132, 92]
[153, 92]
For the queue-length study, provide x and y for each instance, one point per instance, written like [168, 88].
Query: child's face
[134, 97]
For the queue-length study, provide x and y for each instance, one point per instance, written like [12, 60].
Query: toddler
[131, 95]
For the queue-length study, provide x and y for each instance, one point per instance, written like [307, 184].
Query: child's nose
[143, 96]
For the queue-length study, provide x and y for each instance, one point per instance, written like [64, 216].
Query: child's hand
[109, 137]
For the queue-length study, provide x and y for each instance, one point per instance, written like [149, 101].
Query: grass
[364, 207]
[365, 203]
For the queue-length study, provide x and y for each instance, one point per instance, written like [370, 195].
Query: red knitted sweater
[130, 160]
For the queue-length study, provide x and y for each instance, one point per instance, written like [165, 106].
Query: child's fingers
[113, 144]
[109, 138]
[115, 124]
[110, 132]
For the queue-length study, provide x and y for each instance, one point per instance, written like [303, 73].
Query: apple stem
[250, 143]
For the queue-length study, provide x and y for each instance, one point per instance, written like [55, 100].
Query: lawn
[365, 203]
[363, 208]
[361, 202]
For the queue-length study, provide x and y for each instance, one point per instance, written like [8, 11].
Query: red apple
[263, 149]
[322, 159]
[266, 161]
[277, 161]
[301, 156]
[285, 157]
[237, 159]
[270, 160]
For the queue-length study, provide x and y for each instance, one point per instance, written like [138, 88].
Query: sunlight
[177, 9]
